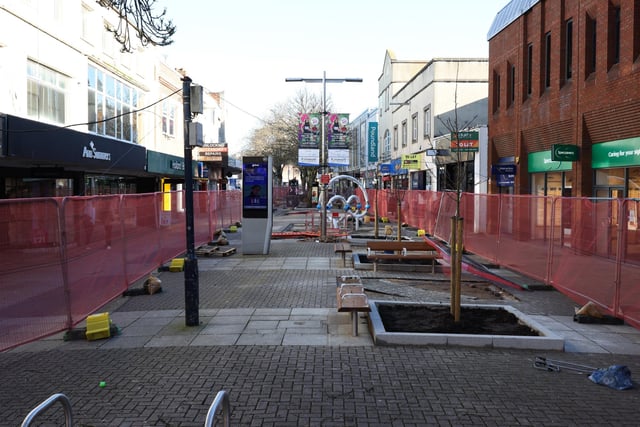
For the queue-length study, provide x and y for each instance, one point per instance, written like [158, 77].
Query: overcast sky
[248, 48]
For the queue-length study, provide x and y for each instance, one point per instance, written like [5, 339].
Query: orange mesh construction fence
[64, 258]
[589, 249]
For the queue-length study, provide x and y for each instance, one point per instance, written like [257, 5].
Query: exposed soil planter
[407, 323]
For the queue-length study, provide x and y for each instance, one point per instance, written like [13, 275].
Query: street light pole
[191, 285]
[323, 155]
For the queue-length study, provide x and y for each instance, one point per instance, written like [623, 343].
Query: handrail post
[222, 398]
[58, 397]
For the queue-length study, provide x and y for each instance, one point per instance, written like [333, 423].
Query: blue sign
[505, 180]
[385, 168]
[503, 169]
[397, 169]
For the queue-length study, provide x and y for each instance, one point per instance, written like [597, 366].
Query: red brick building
[564, 98]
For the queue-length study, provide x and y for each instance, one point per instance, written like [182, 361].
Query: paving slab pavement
[271, 337]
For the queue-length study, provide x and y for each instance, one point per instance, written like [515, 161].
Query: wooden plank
[206, 250]
[388, 245]
[226, 252]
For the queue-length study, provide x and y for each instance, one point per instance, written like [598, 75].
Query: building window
[614, 36]
[46, 93]
[496, 91]
[112, 106]
[404, 133]
[168, 118]
[636, 30]
[395, 137]
[547, 60]
[568, 51]
[386, 145]
[86, 24]
[414, 128]
[512, 85]
[426, 125]
[590, 46]
[529, 69]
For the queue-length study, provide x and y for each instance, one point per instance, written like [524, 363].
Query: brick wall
[589, 107]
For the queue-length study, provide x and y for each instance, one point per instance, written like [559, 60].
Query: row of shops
[41, 160]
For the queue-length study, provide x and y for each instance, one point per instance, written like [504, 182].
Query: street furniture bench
[343, 249]
[351, 298]
[401, 250]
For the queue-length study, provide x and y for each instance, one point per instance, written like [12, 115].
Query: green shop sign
[541, 162]
[564, 153]
[620, 153]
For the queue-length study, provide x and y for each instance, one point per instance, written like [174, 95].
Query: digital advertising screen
[255, 187]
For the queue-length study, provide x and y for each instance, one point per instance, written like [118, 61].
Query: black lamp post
[191, 285]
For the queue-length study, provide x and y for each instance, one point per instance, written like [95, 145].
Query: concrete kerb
[547, 340]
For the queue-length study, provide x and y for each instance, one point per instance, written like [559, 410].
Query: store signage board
[564, 153]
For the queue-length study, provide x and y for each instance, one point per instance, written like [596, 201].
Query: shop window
[634, 183]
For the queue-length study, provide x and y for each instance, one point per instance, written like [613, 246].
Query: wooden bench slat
[343, 249]
[351, 298]
[401, 250]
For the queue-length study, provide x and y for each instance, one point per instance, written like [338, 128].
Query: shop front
[549, 177]
[168, 171]
[41, 160]
[616, 165]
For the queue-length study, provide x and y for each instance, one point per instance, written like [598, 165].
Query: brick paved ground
[315, 386]
[310, 385]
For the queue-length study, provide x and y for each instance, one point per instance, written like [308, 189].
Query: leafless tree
[278, 137]
[457, 222]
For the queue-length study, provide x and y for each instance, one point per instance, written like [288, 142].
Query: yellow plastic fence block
[421, 232]
[98, 326]
[177, 264]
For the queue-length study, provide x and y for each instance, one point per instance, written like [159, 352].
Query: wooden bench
[343, 249]
[421, 250]
[351, 298]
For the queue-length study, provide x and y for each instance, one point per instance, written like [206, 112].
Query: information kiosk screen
[255, 188]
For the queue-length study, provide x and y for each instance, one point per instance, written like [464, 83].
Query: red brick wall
[582, 110]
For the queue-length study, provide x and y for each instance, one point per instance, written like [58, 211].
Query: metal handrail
[58, 397]
[222, 398]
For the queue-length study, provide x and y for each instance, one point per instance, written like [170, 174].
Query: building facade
[77, 115]
[363, 147]
[564, 97]
[420, 104]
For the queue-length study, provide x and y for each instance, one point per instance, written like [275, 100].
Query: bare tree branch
[151, 29]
